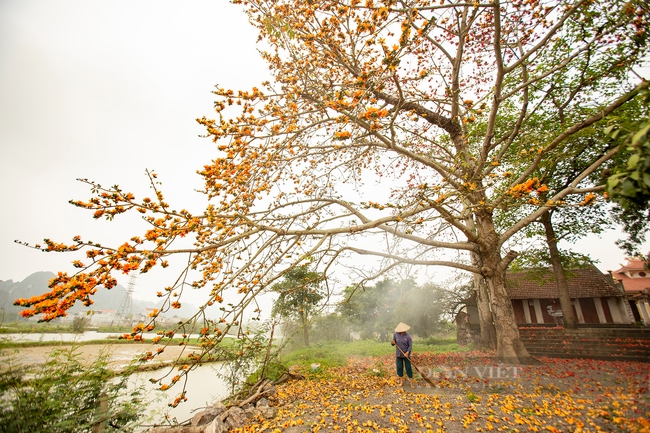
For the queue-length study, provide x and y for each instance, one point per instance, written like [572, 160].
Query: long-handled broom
[416, 367]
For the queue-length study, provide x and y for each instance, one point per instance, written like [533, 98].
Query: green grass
[115, 329]
[440, 345]
[336, 353]
[32, 328]
[53, 328]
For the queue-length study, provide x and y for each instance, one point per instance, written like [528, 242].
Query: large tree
[572, 221]
[410, 121]
[299, 295]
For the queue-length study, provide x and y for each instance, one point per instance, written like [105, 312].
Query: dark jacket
[404, 342]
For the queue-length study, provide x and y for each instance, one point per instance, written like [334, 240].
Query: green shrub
[80, 324]
[64, 395]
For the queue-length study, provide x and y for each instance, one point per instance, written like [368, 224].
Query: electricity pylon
[125, 313]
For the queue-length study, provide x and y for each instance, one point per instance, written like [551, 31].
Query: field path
[119, 354]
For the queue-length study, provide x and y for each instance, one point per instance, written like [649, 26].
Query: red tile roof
[583, 283]
[633, 285]
[633, 267]
[633, 264]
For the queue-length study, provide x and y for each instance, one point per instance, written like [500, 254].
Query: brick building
[595, 297]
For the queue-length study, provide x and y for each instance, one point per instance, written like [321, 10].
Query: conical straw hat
[402, 327]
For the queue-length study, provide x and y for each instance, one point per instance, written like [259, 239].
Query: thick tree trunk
[488, 331]
[510, 348]
[488, 339]
[558, 270]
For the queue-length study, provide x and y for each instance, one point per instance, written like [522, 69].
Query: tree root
[261, 388]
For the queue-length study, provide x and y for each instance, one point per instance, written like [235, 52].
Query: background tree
[571, 221]
[370, 310]
[330, 327]
[80, 324]
[429, 308]
[574, 220]
[434, 102]
[376, 310]
[628, 180]
[300, 294]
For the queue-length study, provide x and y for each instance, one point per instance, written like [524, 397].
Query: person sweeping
[403, 348]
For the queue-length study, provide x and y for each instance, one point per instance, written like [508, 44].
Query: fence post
[102, 411]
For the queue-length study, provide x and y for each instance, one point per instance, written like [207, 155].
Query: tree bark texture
[488, 331]
[486, 321]
[510, 348]
[558, 270]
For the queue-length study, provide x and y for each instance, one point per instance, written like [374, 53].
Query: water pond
[203, 387]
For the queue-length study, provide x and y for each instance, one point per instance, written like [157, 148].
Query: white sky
[104, 90]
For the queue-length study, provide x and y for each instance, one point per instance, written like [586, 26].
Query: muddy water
[203, 387]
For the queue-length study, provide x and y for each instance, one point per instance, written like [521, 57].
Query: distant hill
[37, 282]
[33, 285]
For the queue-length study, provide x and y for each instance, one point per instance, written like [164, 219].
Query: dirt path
[119, 354]
[471, 395]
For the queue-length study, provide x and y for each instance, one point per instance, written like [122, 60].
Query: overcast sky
[104, 90]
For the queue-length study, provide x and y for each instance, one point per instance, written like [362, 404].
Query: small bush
[80, 324]
[64, 396]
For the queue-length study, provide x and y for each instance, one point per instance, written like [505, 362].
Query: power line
[124, 315]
